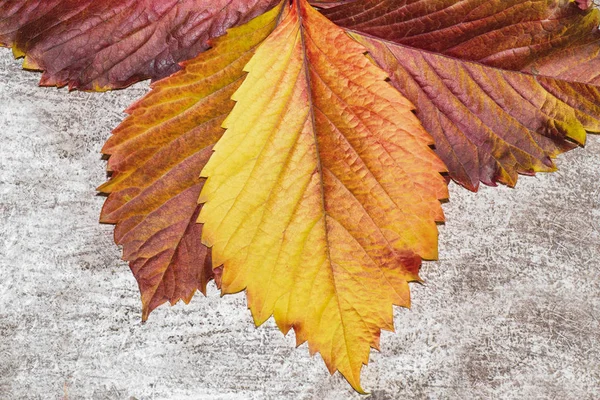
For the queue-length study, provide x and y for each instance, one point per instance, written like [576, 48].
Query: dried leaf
[508, 34]
[489, 121]
[323, 194]
[156, 156]
[107, 44]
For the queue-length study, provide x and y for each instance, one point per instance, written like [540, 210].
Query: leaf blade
[310, 205]
[508, 34]
[489, 124]
[156, 156]
[108, 44]
[482, 42]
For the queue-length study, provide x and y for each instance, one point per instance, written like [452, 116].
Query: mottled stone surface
[510, 311]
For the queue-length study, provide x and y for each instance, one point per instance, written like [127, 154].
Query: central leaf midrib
[300, 4]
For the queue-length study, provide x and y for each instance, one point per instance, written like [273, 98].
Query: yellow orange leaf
[156, 156]
[323, 194]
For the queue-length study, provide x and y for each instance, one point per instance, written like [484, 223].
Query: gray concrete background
[510, 311]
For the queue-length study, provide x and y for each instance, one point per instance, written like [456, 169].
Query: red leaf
[508, 34]
[457, 62]
[490, 124]
[107, 44]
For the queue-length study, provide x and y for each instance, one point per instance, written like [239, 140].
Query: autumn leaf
[156, 156]
[509, 34]
[311, 193]
[107, 44]
[323, 194]
[490, 123]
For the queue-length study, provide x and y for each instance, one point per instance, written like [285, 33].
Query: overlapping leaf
[489, 123]
[106, 44]
[156, 156]
[323, 195]
[509, 34]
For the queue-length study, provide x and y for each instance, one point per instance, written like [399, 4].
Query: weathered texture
[511, 310]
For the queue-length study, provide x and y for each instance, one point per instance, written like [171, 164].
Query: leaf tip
[355, 383]
[145, 313]
[17, 52]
